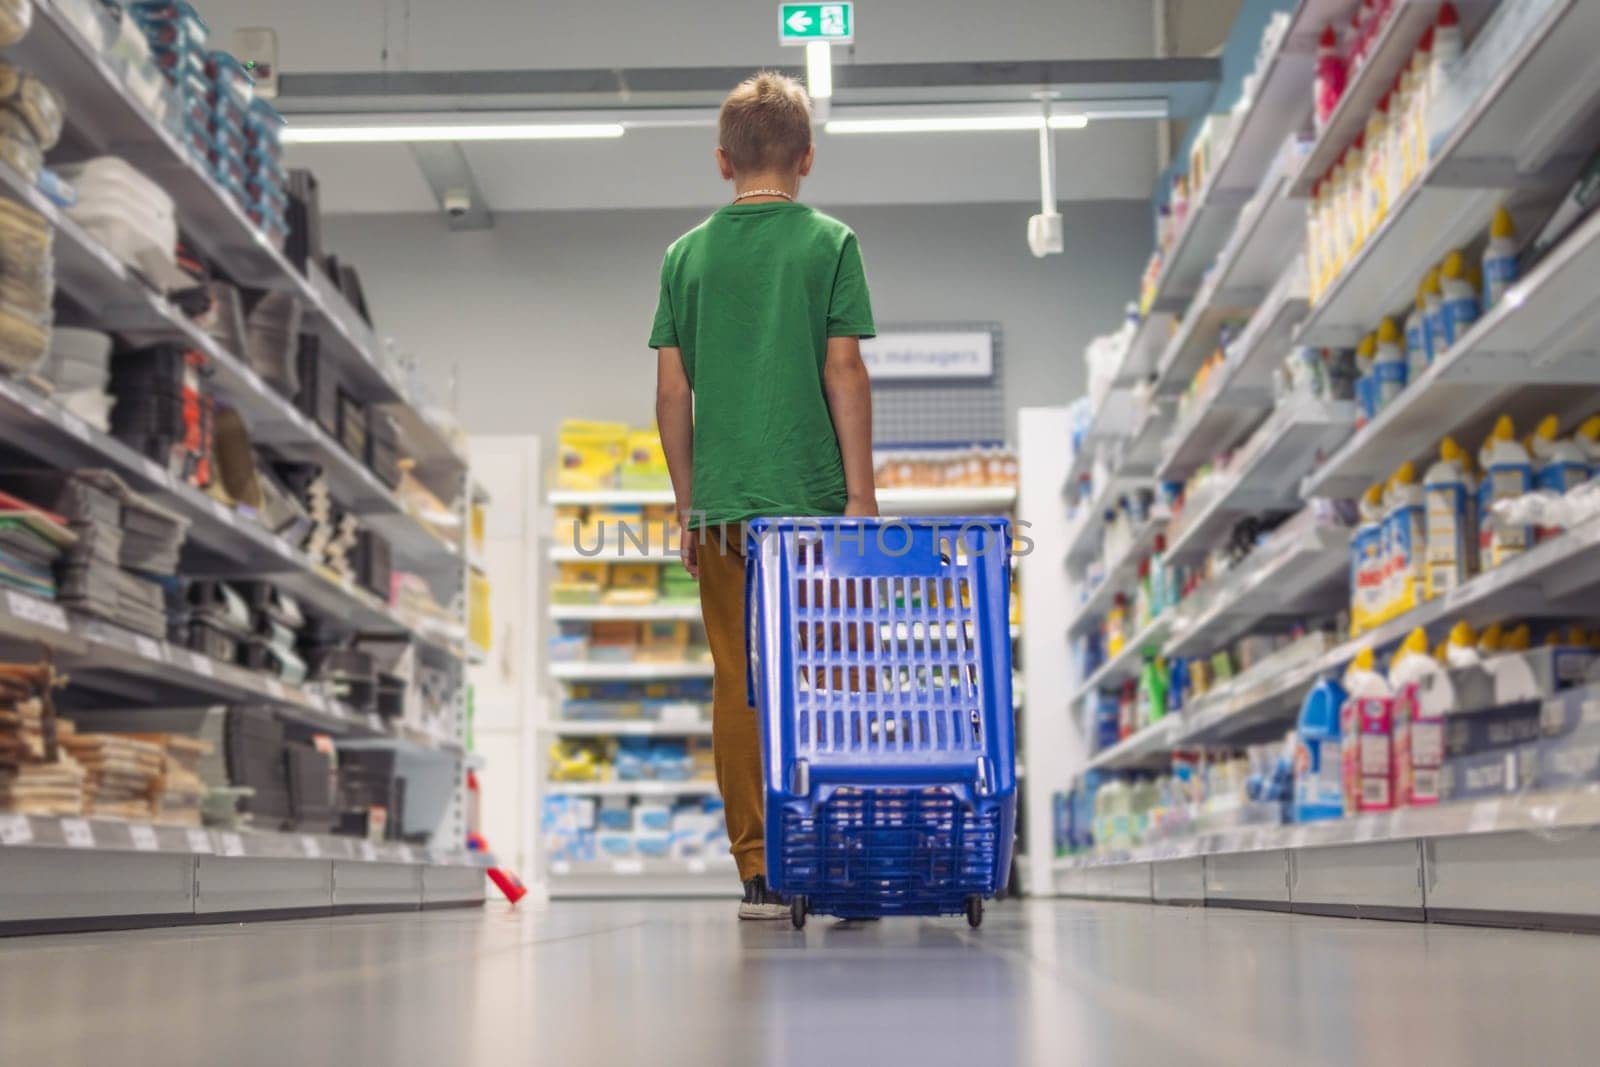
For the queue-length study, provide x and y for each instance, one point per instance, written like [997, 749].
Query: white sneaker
[761, 902]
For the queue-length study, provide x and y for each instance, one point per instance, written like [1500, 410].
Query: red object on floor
[508, 883]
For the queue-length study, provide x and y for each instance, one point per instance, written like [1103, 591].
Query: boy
[762, 402]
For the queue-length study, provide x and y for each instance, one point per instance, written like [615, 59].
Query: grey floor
[647, 984]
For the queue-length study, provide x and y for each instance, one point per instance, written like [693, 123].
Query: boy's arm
[675, 423]
[844, 380]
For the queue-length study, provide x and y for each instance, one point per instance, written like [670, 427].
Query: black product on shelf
[272, 339]
[313, 797]
[350, 285]
[267, 600]
[352, 674]
[352, 425]
[383, 447]
[304, 218]
[318, 393]
[260, 654]
[205, 637]
[391, 696]
[221, 605]
[373, 563]
[253, 747]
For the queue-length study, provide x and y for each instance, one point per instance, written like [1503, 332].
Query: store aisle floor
[661, 984]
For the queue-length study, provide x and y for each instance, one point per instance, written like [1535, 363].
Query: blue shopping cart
[880, 664]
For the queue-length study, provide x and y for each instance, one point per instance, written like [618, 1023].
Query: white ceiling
[672, 168]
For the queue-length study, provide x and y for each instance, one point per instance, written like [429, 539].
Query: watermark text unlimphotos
[624, 539]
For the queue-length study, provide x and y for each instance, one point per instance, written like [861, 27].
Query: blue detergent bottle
[1318, 761]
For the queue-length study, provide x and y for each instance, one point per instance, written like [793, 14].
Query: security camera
[1045, 235]
[457, 202]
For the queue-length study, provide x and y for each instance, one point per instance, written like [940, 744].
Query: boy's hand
[861, 509]
[689, 551]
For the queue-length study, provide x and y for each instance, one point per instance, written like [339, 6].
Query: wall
[547, 314]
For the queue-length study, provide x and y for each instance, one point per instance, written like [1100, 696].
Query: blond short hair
[765, 123]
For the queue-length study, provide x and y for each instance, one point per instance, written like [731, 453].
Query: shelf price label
[275, 688]
[311, 847]
[696, 866]
[144, 837]
[202, 664]
[39, 612]
[232, 845]
[15, 830]
[627, 867]
[77, 833]
[406, 855]
[199, 841]
[149, 648]
[369, 852]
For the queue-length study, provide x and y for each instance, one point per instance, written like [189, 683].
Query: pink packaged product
[1417, 740]
[1365, 727]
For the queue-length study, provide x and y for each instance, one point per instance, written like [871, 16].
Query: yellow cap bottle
[1490, 640]
[1518, 640]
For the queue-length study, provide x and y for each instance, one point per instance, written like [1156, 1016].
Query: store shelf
[644, 878]
[625, 728]
[1126, 663]
[688, 611]
[1266, 474]
[1535, 812]
[1240, 391]
[1083, 537]
[648, 788]
[1112, 415]
[1146, 748]
[627, 672]
[1141, 453]
[655, 552]
[1522, 358]
[1506, 146]
[1144, 351]
[1290, 577]
[1212, 217]
[1119, 573]
[1281, 104]
[1386, 58]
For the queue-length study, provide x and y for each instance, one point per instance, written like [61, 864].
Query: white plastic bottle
[1448, 493]
[1460, 298]
[1375, 198]
[1389, 363]
[1433, 315]
[1587, 438]
[1507, 472]
[1559, 465]
[1367, 562]
[1448, 43]
[1499, 258]
[1462, 648]
[1417, 338]
[1405, 571]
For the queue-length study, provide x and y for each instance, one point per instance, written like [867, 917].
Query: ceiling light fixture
[956, 124]
[396, 134]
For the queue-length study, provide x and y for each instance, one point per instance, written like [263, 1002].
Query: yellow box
[665, 640]
[635, 576]
[480, 626]
[590, 454]
[645, 465]
[589, 572]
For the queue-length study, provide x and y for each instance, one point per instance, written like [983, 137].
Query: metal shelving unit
[1528, 356]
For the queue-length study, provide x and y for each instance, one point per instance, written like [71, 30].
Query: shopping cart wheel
[798, 908]
[974, 911]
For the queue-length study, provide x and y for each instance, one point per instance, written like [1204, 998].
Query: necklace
[763, 192]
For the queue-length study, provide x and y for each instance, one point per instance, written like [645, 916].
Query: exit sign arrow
[800, 24]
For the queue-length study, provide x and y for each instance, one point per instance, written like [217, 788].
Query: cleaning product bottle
[1314, 241]
[1518, 639]
[1374, 174]
[1158, 577]
[1330, 75]
[1115, 624]
[1355, 166]
[1460, 299]
[1422, 698]
[1448, 43]
[1499, 258]
[1366, 562]
[1433, 315]
[1489, 641]
[1364, 729]
[1388, 363]
[1318, 761]
[1406, 573]
[1461, 650]
[1422, 99]
[1587, 438]
[1559, 464]
[1142, 613]
[1507, 472]
[1417, 357]
[1394, 149]
[1177, 684]
[1449, 496]
[1366, 380]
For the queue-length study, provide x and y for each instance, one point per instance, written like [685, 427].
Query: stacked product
[371, 795]
[271, 339]
[414, 601]
[677, 703]
[214, 619]
[581, 830]
[27, 286]
[248, 754]
[229, 91]
[608, 455]
[349, 674]
[130, 215]
[180, 789]
[36, 776]
[981, 466]
[372, 562]
[631, 759]
[266, 183]
[165, 410]
[398, 690]
[276, 622]
[78, 368]
[176, 38]
[122, 773]
[313, 786]
[30, 121]
[617, 531]
[31, 542]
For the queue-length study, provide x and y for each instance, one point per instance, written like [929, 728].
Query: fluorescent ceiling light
[956, 124]
[819, 70]
[396, 134]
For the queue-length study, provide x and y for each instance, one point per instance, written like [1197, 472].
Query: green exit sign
[804, 23]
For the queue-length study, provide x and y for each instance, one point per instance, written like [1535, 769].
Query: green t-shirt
[751, 296]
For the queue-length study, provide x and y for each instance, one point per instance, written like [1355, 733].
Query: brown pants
[735, 736]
